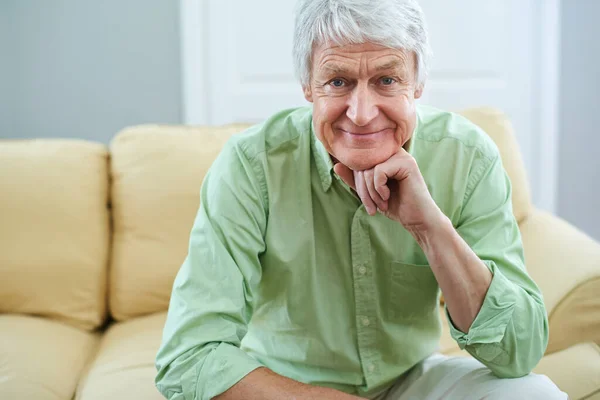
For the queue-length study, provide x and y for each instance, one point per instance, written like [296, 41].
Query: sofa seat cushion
[124, 365]
[41, 359]
[575, 370]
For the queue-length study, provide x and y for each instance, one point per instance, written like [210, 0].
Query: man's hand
[397, 189]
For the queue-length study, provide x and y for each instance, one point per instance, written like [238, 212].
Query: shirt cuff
[225, 366]
[496, 312]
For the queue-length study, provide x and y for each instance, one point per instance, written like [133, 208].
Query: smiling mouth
[367, 135]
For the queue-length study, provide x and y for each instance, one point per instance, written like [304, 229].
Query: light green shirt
[287, 270]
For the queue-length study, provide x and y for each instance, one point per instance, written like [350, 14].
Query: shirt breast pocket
[413, 292]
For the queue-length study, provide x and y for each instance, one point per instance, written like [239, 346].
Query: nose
[361, 106]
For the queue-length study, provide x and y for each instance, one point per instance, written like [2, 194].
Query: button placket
[364, 290]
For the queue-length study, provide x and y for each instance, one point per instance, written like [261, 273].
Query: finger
[380, 183]
[397, 167]
[345, 173]
[363, 193]
[375, 196]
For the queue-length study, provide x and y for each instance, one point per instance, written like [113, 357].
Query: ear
[418, 91]
[307, 93]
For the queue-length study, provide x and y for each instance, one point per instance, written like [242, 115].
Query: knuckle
[412, 160]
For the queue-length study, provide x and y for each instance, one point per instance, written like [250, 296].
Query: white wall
[88, 68]
[579, 149]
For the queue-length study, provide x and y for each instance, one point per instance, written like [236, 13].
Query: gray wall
[579, 147]
[6, 70]
[88, 68]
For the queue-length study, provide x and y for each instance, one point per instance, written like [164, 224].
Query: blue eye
[387, 81]
[337, 83]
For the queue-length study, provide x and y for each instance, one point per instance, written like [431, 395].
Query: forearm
[463, 278]
[263, 384]
[500, 323]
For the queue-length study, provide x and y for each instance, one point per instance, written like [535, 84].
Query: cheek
[328, 110]
[402, 109]
[404, 116]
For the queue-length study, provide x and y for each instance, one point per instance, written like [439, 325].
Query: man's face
[363, 99]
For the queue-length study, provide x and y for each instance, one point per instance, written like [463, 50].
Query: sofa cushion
[575, 370]
[124, 366]
[497, 125]
[156, 176]
[564, 262]
[54, 230]
[41, 359]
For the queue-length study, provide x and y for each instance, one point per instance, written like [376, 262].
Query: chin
[360, 162]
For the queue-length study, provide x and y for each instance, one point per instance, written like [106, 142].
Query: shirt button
[366, 322]
[362, 270]
[371, 367]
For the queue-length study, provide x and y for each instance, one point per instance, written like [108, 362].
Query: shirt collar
[323, 158]
[410, 145]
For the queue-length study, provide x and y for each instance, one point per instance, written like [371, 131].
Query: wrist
[436, 229]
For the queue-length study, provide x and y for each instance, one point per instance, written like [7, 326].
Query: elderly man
[326, 234]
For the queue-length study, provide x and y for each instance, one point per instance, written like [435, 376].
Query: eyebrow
[341, 70]
[392, 64]
[336, 69]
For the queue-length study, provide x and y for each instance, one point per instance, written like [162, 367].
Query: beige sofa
[91, 239]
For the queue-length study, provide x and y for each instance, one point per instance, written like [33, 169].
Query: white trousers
[443, 377]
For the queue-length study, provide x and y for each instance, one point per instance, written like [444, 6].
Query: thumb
[345, 173]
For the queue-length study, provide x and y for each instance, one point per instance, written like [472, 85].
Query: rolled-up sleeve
[212, 297]
[510, 333]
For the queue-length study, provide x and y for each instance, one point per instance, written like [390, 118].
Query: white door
[238, 67]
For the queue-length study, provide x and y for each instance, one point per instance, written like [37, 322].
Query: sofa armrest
[565, 263]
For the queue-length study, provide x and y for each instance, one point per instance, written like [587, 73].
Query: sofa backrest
[54, 230]
[156, 173]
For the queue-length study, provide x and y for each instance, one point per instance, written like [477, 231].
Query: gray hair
[396, 24]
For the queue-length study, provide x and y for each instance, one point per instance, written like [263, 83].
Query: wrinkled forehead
[347, 58]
